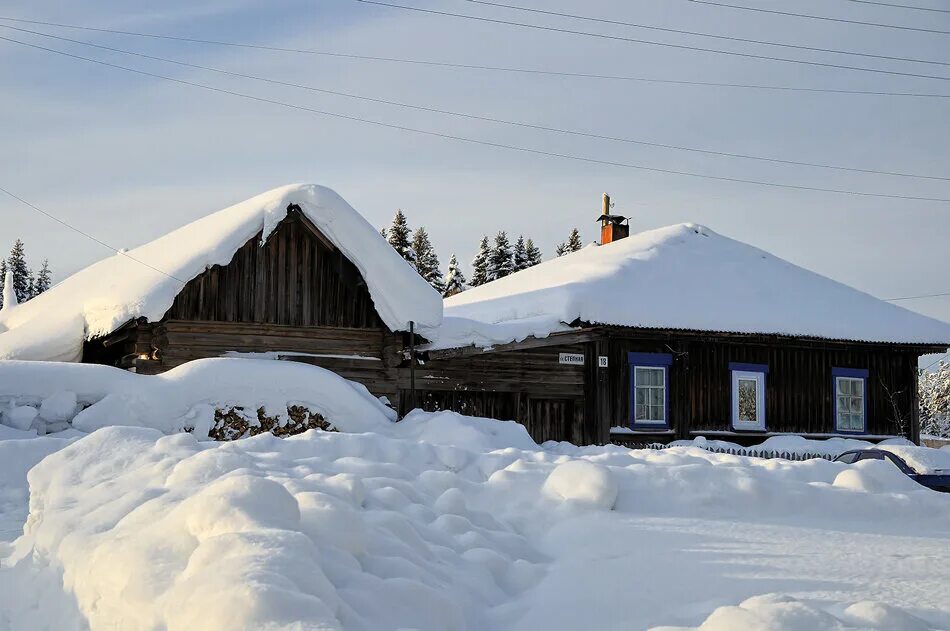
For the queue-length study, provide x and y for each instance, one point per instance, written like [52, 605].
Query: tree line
[26, 284]
[495, 258]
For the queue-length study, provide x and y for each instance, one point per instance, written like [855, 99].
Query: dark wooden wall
[528, 385]
[799, 387]
[298, 278]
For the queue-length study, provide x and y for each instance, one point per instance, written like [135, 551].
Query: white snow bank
[777, 612]
[582, 483]
[182, 399]
[467, 432]
[455, 332]
[875, 476]
[100, 298]
[695, 279]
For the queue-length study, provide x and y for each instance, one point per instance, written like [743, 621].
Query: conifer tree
[574, 242]
[480, 264]
[43, 279]
[427, 262]
[21, 273]
[398, 237]
[499, 261]
[534, 254]
[519, 258]
[561, 249]
[3, 276]
[454, 278]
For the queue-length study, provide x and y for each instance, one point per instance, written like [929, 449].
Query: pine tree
[574, 242]
[480, 264]
[427, 262]
[454, 279]
[561, 249]
[534, 254]
[43, 279]
[399, 237]
[3, 276]
[519, 259]
[21, 273]
[499, 261]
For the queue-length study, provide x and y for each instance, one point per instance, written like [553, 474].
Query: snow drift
[679, 277]
[87, 397]
[100, 298]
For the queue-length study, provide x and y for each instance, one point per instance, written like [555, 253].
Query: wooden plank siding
[295, 279]
[528, 385]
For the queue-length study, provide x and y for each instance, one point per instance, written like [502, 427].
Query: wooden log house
[685, 333]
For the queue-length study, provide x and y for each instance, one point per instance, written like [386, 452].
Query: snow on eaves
[683, 276]
[102, 297]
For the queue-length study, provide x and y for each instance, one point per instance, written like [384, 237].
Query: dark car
[939, 481]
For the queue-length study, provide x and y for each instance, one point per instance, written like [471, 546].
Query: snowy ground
[445, 522]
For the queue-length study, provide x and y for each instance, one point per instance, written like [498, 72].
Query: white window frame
[652, 421]
[864, 405]
[759, 378]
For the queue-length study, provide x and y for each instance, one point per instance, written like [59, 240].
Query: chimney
[612, 227]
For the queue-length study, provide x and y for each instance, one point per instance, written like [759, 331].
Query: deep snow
[448, 522]
[683, 276]
[109, 293]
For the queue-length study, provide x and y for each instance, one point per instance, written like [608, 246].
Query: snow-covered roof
[102, 297]
[678, 277]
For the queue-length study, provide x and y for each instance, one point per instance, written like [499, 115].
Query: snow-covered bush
[934, 389]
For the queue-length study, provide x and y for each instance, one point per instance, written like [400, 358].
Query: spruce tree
[561, 249]
[399, 237]
[454, 278]
[519, 259]
[534, 254]
[21, 273]
[43, 279]
[499, 261]
[3, 275]
[574, 242]
[427, 262]
[480, 264]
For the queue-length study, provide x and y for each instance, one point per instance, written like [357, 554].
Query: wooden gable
[298, 278]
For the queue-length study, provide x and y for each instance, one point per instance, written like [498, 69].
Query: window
[649, 396]
[848, 458]
[748, 396]
[850, 399]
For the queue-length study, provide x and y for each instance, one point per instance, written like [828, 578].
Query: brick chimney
[612, 227]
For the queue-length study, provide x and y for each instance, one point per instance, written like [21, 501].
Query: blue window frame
[850, 400]
[748, 396]
[649, 390]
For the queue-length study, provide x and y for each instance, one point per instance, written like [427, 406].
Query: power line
[819, 17]
[647, 41]
[510, 69]
[947, 293]
[474, 141]
[478, 117]
[899, 6]
[88, 236]
[934, 362]
[744, 40]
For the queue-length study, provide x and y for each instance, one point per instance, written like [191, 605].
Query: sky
[127, 157]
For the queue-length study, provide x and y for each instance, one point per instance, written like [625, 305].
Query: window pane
[656, 412]
[656, 396]
[641, 396]
[642, 412]
[857, 405]
[747, 401]
[843, 386]
[857, 387]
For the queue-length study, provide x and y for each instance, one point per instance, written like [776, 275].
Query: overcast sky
[129, 157]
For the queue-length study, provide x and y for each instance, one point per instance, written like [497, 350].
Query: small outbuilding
[675, 333]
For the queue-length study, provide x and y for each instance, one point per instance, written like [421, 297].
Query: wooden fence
[752, 452]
